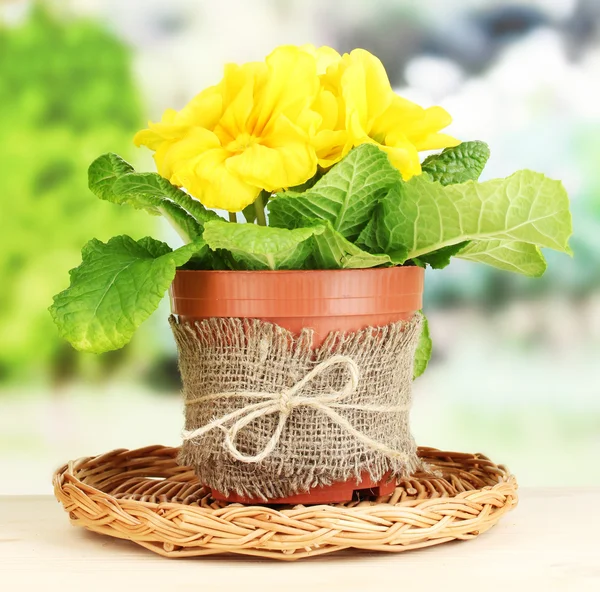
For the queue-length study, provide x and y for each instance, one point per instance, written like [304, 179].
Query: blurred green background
[515, 372]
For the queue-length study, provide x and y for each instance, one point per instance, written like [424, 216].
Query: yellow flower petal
[173, 155]
[431, 120]
[204, 110]
[326, 104]
[273, 169]
[159, 155]
[325, 56]
[435, 142]
[210, 181]
[365, 87]
[402, 154]
[357, 134]
[235, 77]
[234, 121]
[166, 129]
[405, 159]
[149, 138]
[401, 114]
[423, 134]
[330, 146]
[291, 86]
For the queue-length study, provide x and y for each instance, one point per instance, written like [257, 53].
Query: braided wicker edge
[145, 497]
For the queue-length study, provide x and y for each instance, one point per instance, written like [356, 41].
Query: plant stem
[184, 234]
[259, 206]
[232, 217]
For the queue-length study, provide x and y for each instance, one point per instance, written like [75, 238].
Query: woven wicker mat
[144, 496]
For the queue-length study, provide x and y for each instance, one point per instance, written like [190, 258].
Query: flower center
[242, 142]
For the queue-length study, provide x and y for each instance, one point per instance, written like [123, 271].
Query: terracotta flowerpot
[336, 300]
[324, 300]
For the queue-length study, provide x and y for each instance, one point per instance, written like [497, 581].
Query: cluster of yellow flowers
[268, 125]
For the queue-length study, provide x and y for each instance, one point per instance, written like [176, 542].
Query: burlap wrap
[227, 355]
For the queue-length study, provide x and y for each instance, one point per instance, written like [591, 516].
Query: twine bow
[284, 403]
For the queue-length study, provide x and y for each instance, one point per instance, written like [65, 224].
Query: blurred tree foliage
[67, 95]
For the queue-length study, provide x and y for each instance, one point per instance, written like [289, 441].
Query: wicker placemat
[144, 496]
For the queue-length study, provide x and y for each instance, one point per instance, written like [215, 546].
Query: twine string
[284, 403]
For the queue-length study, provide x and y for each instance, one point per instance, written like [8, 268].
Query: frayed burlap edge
[213, 343]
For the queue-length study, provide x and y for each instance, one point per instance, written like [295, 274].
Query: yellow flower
[367, 110]
[267, 124]
[250, 132]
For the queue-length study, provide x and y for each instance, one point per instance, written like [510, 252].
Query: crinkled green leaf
[424, 216]
[132, 186]
[461, 163]
[103, 173]
[374, 241]
[509, 255]
[423, 353]
[261, 247]
[112, 179]
[333, 251]
[367, 239]
[118, 285]
[210, 260]
[345, 196]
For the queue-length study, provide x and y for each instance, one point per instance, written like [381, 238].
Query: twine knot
[284, 403]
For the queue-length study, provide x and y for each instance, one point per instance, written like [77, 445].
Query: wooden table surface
[551, 541]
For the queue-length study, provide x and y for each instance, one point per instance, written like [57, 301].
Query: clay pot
[325, 300]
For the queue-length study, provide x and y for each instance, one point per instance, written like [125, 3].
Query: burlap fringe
[222, 355]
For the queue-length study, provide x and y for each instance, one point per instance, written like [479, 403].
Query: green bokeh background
[67, 93]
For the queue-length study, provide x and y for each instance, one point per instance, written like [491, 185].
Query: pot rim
[380, 294]
[300, 271]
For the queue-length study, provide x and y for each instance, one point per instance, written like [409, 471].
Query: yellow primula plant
[324, 161]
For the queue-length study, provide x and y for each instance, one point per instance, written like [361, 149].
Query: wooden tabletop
[549, 542]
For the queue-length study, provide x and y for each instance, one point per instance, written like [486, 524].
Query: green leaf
[209, 260]
[372, 240]
[333, 251]
[134, 186]
[440, 258]
[423, 353]
[367, 239]
[514, 256]
[118, 285]
[103, 173]
[261, 247]
[114, 180]
[424, 216]
[398, 253]
[464, 162]
[345, 196]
